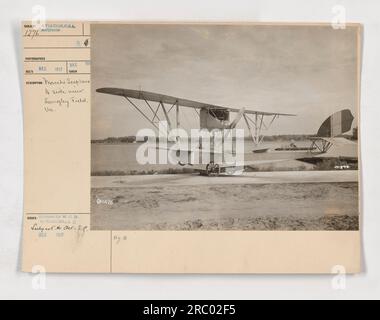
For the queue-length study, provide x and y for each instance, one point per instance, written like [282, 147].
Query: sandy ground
[256, 201]
[247, 178]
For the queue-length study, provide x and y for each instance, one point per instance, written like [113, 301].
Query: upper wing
[157, 97]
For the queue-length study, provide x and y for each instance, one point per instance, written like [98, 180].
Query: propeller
[239, 115]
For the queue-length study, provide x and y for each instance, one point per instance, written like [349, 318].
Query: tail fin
[337, 124]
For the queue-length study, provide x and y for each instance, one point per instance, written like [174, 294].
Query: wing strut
[142, 113]
[257, 125]
[166, 116]
[177, 115]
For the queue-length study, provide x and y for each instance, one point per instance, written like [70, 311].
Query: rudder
[337, 124]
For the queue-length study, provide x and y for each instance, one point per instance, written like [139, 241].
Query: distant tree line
[295, 137]
[128, 139]
[355, 133]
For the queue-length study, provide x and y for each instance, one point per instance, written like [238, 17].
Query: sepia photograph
[224, 127]
[209, 152]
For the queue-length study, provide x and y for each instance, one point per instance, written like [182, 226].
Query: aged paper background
[57, 191]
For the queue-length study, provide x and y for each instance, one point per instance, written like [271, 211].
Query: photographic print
[224, 127]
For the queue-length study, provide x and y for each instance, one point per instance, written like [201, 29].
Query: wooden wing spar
[161, 98]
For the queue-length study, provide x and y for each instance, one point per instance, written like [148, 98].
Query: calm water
[122, 157]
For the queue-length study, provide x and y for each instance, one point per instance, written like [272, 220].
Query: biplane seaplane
[211, 118]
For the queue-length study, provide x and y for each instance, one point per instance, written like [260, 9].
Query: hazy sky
[309, 71]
